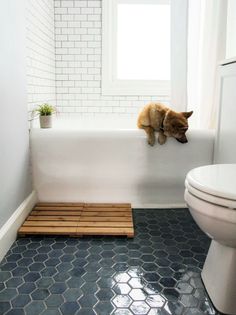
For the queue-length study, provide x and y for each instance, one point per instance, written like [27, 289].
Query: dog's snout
[182, 140]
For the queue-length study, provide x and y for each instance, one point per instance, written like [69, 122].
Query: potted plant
[45, 115]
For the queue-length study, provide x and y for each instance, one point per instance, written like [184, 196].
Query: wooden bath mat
[78, 219]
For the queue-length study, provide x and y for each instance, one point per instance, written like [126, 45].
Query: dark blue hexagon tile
[156, 272]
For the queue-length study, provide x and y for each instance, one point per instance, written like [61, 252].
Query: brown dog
[157, 117]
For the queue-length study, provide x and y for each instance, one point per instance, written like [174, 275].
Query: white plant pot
[45, 121]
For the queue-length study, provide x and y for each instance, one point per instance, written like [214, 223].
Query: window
[136, 47]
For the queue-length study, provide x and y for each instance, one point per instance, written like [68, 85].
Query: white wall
[40, 52]
[231, 30]
[15, 180]
[78, 62]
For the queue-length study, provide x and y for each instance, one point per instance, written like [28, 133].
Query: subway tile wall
[78, 41]
[40, 52]
[64, 54]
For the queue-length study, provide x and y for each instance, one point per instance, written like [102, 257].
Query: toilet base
[219, 277]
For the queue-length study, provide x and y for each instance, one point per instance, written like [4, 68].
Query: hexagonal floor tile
[122, 301]
[121, 288]
[104, 308]
[167, 282]
[122, 277]
[58, 288]
[7, 294]
[72, 294]
[20, 300]
[69, 308]
[105, 294]
[156, 300]
[35, 307]
[54, 300]
[139, 308]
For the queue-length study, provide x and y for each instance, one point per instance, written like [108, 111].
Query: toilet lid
[218, 180]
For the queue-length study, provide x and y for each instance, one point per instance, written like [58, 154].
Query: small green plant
[45, 110]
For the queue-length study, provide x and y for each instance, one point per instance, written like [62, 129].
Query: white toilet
[211, 197]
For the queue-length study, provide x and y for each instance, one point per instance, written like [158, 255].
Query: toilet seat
[228, 203]
[214, 183]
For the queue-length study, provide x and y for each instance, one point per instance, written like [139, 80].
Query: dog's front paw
[151, 141]
[161, 138]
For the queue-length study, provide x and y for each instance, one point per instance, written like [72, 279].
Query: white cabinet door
[225, 146]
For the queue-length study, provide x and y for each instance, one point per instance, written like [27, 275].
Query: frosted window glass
[143, 42]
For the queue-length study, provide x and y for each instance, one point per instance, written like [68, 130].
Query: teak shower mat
[79, 219]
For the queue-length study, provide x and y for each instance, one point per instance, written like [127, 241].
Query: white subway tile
[68, 83]
[87, 24]
[81, 4]
[67, 4]
[67, 17]
[80, 17]
[93, 70]
[87, 64]
[75, 77]
[74, 37]
[67, 31]
[67, 57]
[94, 17]
[74, 24]
[94, 4]
[95, 31]
[81, 44]
[74, 51]
[60, 24]
[80, 31]
[61, 77]
[74, 11]
[87, 10]
[60, 10]
[68, 44]
[81, 83]
[75, 90]
[94, 57]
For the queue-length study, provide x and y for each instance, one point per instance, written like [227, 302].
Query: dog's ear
[187, 114]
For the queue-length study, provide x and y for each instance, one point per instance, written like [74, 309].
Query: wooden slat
[105, 219]
[56, 208]
[59, 204]
[47, 230]
[109, 205]
[104, 231]
[105, 213]
[118, 209]
[66, 213]
[104, 224]
[50, 223]
[52, 218]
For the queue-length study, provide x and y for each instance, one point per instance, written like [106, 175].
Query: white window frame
[111, 85]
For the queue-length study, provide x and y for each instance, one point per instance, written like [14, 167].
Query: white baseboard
[158, 205]
[8, 232]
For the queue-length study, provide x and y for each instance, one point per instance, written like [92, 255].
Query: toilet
[211, 197]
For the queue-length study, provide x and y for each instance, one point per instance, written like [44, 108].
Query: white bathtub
[105, 164]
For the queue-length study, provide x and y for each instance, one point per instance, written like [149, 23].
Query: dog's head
[176, 124]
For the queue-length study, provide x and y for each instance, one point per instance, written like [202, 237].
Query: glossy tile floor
[157, 272]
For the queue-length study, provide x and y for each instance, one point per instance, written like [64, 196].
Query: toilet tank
[225, 145]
